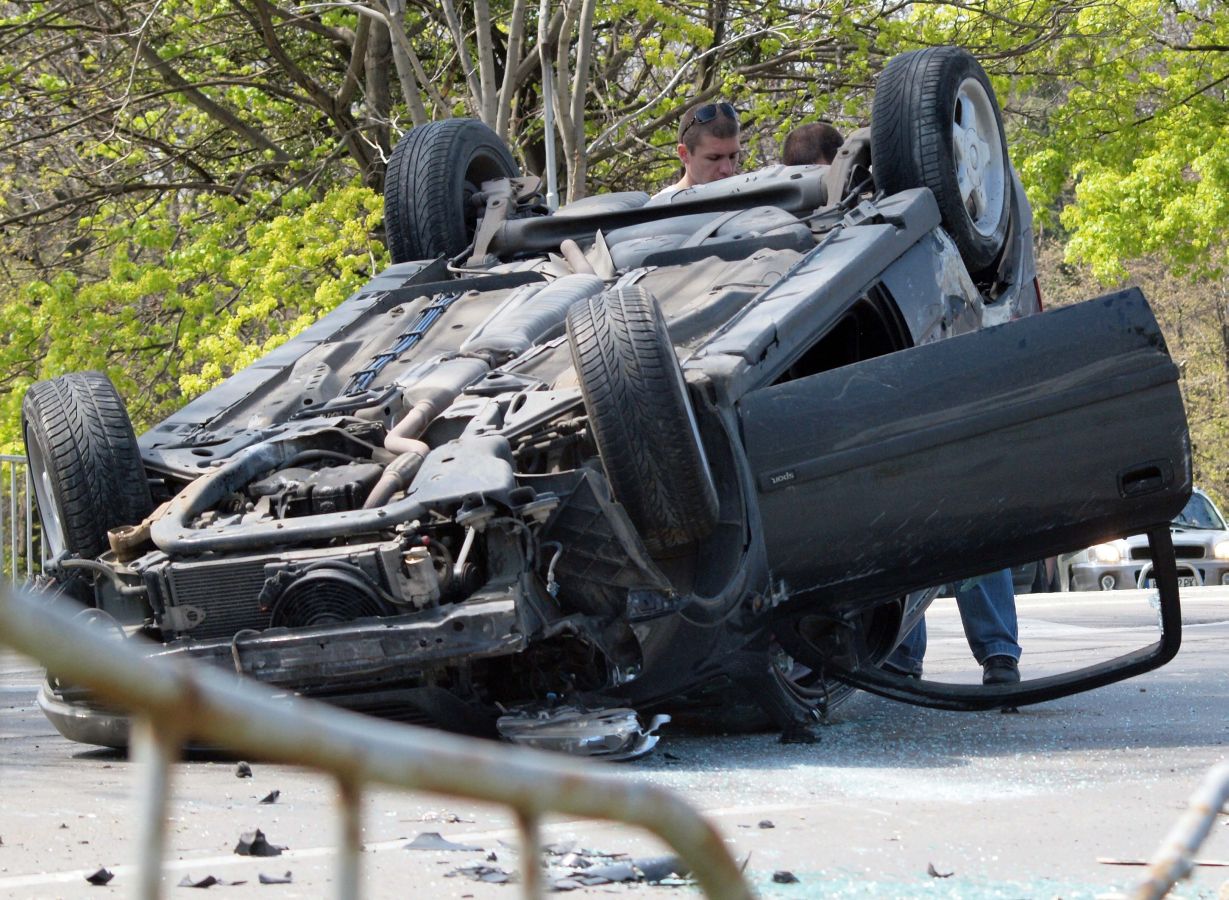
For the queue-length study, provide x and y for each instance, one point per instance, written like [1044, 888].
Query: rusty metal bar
[530, 829]
[1176, 856]
[156, 751]
[349, 879]
[215, 707]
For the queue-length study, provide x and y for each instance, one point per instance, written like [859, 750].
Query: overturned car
[548, 468]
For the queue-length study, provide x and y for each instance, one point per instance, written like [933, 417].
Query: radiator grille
[227, 591]
[1181, 551]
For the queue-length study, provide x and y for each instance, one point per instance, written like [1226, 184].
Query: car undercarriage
[618, 456]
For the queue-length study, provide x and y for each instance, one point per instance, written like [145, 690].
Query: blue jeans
[987, 611]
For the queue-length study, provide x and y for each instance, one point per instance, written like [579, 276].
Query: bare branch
[214, 110]
[486, 62]
[467, 62]
[113, 190]
[358, 57]
[512, 59]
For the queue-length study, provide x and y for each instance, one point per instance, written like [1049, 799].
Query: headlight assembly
[1106, 553]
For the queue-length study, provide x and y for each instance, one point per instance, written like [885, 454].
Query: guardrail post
[154, 751]
[531, 854]
[1175, 858]
[348, 862]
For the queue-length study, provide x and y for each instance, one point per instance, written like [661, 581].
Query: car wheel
[433, 174]
[84, 462]
[935, 123]
[641, 418]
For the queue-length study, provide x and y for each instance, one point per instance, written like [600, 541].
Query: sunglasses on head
[709, 111]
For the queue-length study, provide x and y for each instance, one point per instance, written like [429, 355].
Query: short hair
[815, 143]
[722, 125]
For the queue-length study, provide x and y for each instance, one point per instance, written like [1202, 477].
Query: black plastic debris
[243, 770]
[488, 874]
[271, 797]
[275, 879]
[207, 882]
[766, 823]
[935, 873]
[101, 877]
[254, 843]
[784, 876]
[431, 840]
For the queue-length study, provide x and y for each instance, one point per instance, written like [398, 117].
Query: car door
[978, 452]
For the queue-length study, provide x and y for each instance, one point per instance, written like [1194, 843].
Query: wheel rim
[977, 150]
[48, 511]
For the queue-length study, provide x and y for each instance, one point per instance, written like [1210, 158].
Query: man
[988, 613]
[813, 144]
[708, 146]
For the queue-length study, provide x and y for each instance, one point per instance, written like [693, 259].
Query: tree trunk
[379, 99]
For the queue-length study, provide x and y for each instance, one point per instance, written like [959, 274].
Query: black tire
[84, 462]
[641, 418]
[433, 174]
[923, 99]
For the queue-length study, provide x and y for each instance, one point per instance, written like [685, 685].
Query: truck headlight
[1221, 550]
[1107, 553]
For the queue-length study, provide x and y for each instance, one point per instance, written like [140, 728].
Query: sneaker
[1000, 670]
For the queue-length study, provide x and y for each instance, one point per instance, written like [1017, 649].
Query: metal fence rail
[1176, 857]
[175, 703]
[19, 547]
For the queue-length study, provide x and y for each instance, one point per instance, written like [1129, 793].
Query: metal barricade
[20, 548]
[174, 703]
[1175, 858]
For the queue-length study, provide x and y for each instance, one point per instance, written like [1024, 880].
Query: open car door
[954, 459]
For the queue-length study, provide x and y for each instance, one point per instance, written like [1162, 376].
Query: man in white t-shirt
[708, 146]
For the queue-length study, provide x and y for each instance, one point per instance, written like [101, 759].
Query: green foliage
[190, 297]
[172, 218]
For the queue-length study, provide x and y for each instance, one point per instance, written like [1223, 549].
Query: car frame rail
[174, 703]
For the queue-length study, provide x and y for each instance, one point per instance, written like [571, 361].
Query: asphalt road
[1024, 805]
